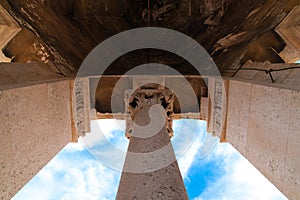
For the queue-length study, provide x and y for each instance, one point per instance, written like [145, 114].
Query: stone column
[35, 124]
[261, 120]
[151, 170]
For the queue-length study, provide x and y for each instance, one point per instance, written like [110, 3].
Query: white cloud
[72, 177]
[185, 162]
[102, 131]
[95, 182]
[241, 180]
[186, 144]
[191, 142]
[107, 142]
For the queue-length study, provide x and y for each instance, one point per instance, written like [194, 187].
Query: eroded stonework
[149, 97]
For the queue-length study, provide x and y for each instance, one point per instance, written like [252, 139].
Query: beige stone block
[267, 130]
[60, 109]
[204, 108]
[13, 75]
[35, 126]
[5, 147]
[217, 107]
[239, 99]
[291, 172]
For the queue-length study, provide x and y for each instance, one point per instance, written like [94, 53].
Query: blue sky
[90, 169]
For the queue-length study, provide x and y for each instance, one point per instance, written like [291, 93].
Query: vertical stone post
[151, 170]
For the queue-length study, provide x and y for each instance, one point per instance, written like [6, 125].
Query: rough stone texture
[204, 108]
[238, 115]
[35, 124]
[102, 89]
[227, 29]
[217, 107]
[162, 183]
[14, 75]
[232, 31]
[263, 124]
[81, 106]
[291, 180]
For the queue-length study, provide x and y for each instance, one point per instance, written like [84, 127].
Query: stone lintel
[15, 75]
[122, 116]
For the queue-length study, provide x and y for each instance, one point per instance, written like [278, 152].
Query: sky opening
[211, 170]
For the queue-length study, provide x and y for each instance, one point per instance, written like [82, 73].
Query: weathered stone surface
[291, 180]
[103, 88]
[262, 124]
[238, 115]
[35, 126]
[72, 28]
[204, 108]
[14, 75]
[81, 106]
[217, 107]
[232, 31]
[150, 170]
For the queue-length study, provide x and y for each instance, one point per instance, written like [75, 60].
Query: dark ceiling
[232, 31]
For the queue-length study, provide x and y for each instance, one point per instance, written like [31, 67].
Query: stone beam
[123, 116]
[14, 75]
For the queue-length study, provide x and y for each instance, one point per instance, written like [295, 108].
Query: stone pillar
[151, 170]
[261, 120]
[263, 125]
[35, 124]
